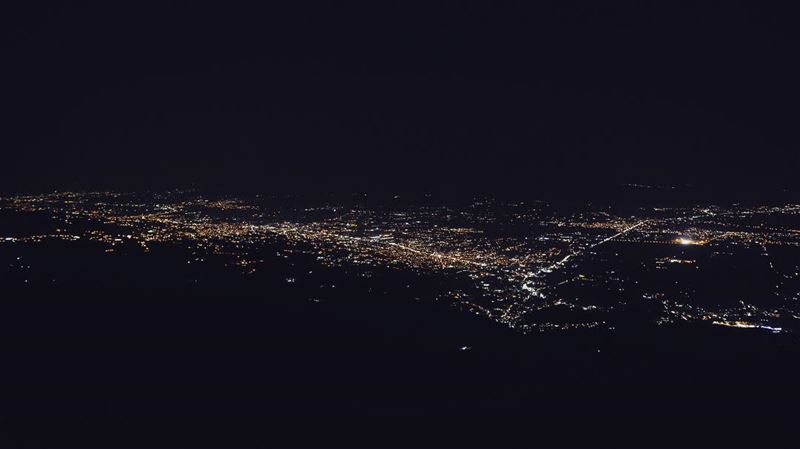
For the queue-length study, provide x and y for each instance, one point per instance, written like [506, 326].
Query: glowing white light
[687, 241]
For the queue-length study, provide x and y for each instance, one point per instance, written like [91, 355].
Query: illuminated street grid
[525, 265]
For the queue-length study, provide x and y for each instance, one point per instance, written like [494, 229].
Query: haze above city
[531, 98]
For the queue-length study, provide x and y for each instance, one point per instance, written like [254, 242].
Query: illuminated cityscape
[527, 266]
[461, 224]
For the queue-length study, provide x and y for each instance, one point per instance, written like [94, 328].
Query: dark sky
[471, 97]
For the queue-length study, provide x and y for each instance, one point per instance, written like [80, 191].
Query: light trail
[577, 253]
[534, 291]
[624, 231]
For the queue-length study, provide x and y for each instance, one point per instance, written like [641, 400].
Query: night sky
[526, 97]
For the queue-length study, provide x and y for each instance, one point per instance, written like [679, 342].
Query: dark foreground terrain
[104, 350]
